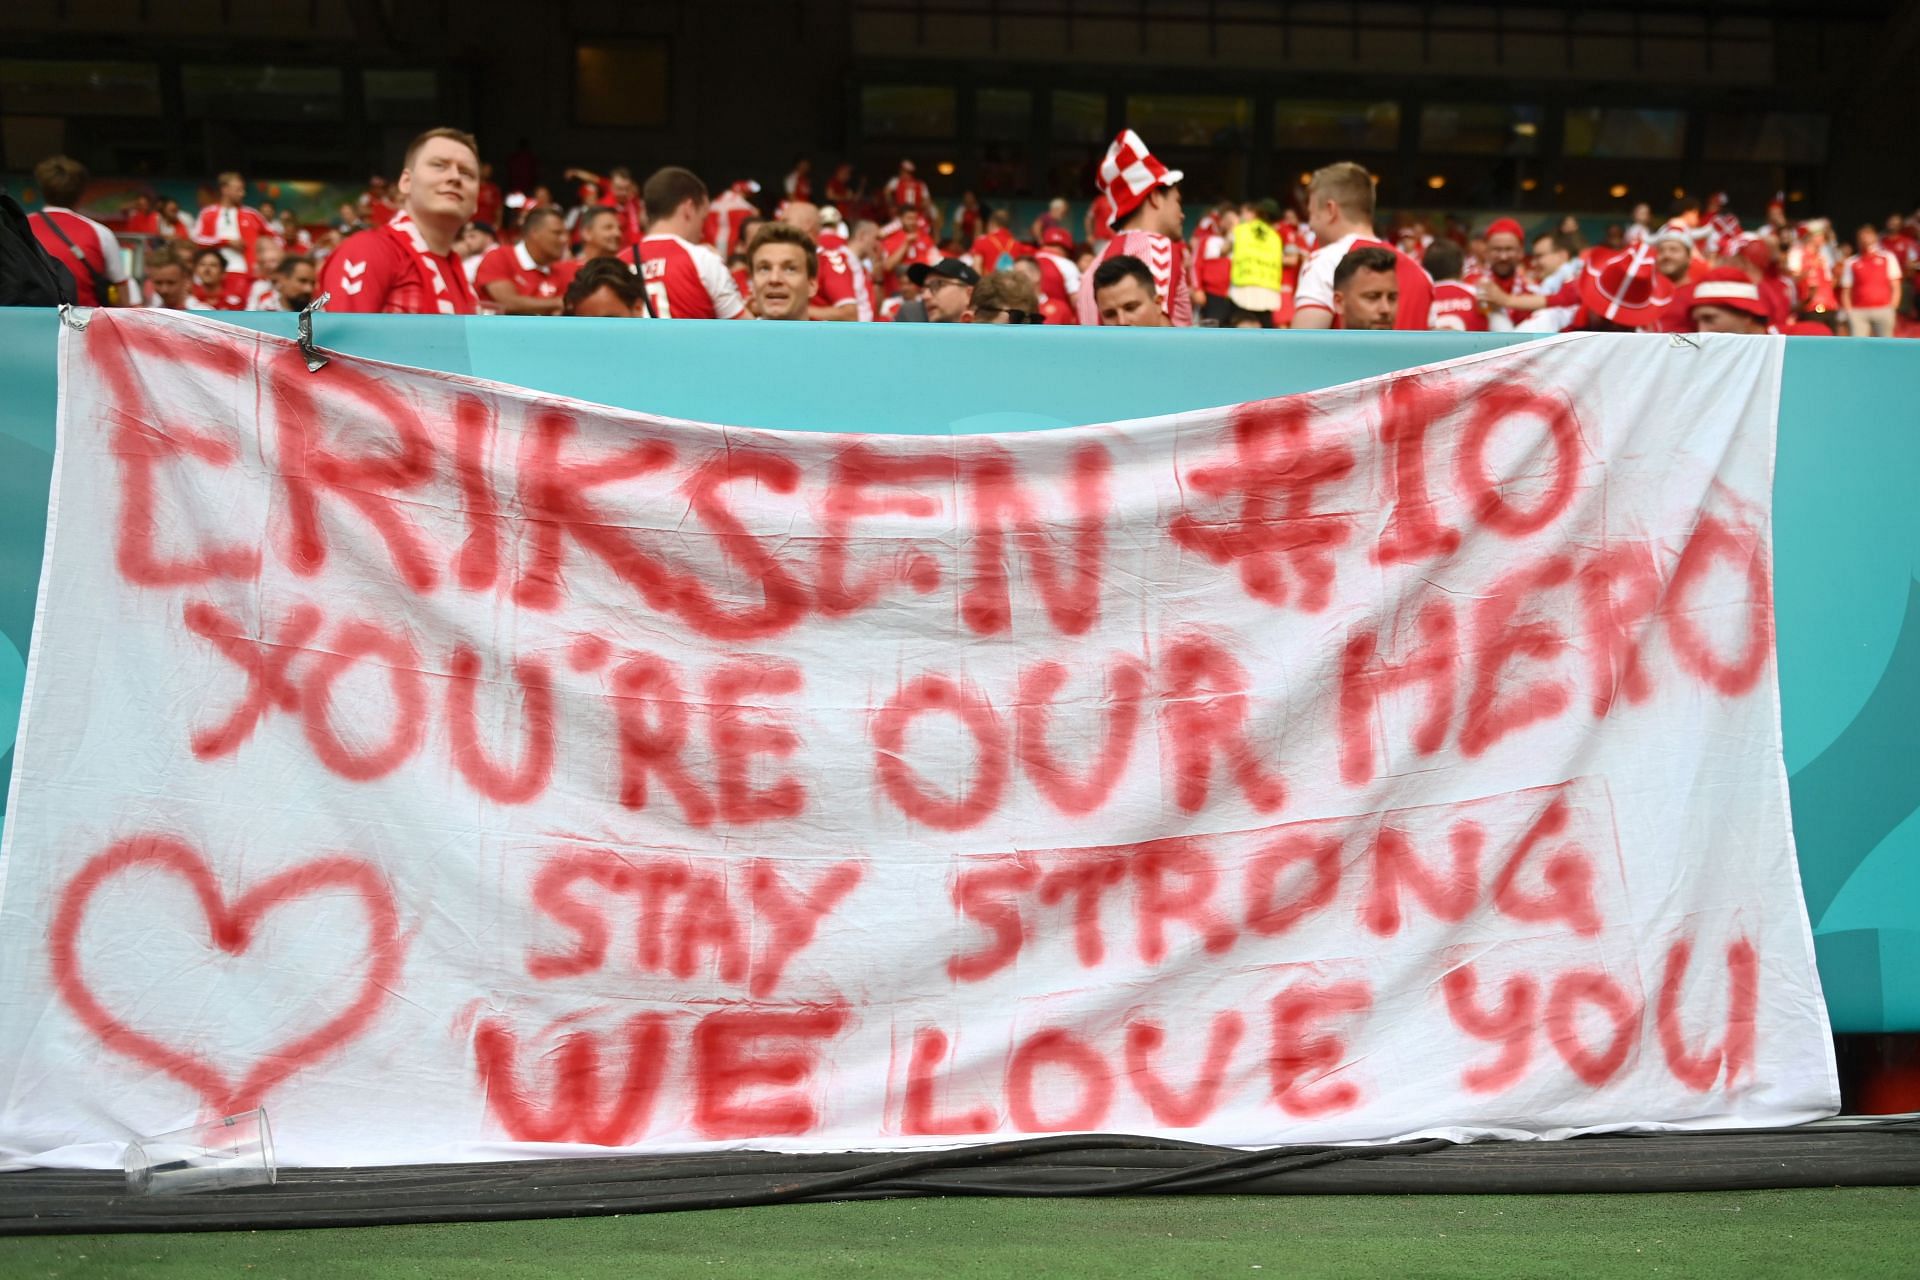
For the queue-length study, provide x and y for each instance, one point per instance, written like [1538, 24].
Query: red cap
[1728, 287]
[1509, 226]
[1057, 236]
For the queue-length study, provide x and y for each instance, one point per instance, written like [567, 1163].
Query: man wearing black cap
[946, 289]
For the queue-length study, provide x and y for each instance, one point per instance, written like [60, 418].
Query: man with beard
[1366, 288]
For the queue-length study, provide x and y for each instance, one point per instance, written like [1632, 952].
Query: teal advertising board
[1846, 514]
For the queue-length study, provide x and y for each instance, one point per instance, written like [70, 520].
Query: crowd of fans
[444, 238]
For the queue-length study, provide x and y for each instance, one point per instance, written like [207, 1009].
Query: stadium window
[401, 96]
[1480, 128]
[33, 87]
[907, 111]
[1002, 115]
[1174, 120]
[261, 92]
[1605, 133]
[621, 84]
[1080, 118]
[1767, 137]
[1326, 126]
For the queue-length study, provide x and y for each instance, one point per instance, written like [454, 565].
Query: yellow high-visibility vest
[1257, 253]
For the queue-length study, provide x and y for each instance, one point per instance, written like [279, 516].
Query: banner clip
[1687, 340]
[315, 361]
[75, 317]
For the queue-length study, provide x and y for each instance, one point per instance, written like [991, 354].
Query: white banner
[463, 772]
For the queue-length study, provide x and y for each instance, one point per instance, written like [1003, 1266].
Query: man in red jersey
[1455, 306]
[1149, 224]
[686, 280]
[726, 225]
[85, 248]
[1340, 215]
[905, 191]
[214, 286]
[987, 250]
[903, 245]
[376, 203]
[1870, 286]
[408, 266]
[839, 292]
[490, 203]
[1506, 271]
[230, 226]
[1058, 275]
[524, 279]
[599, 238]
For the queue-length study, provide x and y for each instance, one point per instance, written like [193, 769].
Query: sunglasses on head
[1014, 315]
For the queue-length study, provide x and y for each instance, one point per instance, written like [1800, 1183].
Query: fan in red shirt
[408, 266]
[1099, 224]
[85, 248]
[725, 226]
[902, 244]
[799, 183]
[599, 238]
[1057, 275]
[1212, 247]
[489, 205]
[230, 226]
[1456, 304]
[217, 288]
[524, 279]
[1506, 275]
[841, 189]
[140, 219]
[1149, 224]
[839, 287]
[376, 205]
[998, 242]
[685, 280]
[1870, 287]
[1340, 215]
[904, 191]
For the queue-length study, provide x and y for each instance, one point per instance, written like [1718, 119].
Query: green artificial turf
[1828, 1233]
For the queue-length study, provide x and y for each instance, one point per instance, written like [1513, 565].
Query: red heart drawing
[231, 928]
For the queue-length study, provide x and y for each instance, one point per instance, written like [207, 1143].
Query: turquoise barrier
[1846, 519]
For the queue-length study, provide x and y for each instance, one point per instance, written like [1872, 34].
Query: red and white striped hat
[1625, 288]
[1130, 173]
[1728, 287]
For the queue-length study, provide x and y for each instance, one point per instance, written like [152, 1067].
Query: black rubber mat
[1853, 1154]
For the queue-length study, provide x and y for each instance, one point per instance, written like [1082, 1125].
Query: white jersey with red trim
[220, 226]
[905, 191]
[685, 281]
[725, 216]
[1163, 256]
[94, 248]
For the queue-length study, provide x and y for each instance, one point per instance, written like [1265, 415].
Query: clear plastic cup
[220, 1155]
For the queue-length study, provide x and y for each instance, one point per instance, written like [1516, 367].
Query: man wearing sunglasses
[1004, 297]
